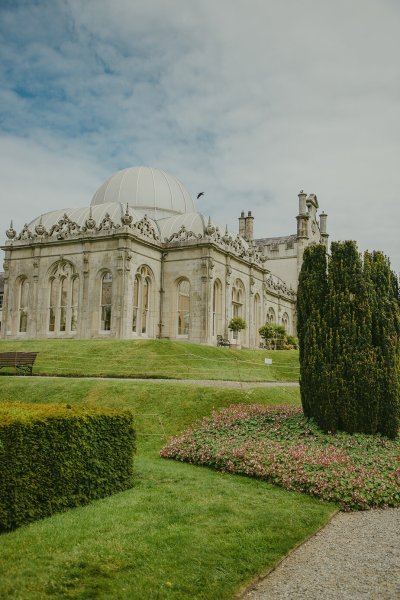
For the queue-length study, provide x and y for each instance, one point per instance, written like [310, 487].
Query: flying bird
[198, 195]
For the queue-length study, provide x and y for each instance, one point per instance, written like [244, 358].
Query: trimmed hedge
[54, 457]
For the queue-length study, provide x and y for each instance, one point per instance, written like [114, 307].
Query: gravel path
[355, 557]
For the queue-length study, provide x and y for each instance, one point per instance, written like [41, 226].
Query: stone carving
[276, 284]
[62, 269]
[144, 227]
[40, 229]
[183, 235]
[107, 223]
[64, 227]
[11, 233]
[90, 223]
[126, 218]
[25, 234]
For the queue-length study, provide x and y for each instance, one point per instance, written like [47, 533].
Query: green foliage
[348, 325]
[237, 324]
[275, 337]
[279, 445]
[139, 543]
[54, 457]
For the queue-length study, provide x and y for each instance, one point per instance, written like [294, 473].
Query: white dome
[150, 190]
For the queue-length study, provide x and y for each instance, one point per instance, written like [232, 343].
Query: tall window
[53, 304]
[141, 301]
[271, 318]
[183, 307]
[106, 302]
[237, 299]
[23, 305]
[285, 321]
[63, 299]
[74, 303]
[135, 303]
[217, 308]
[257, 317]
[63, 304]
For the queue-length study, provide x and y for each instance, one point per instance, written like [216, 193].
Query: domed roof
[149, 190]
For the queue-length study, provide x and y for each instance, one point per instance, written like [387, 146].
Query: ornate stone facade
[141, 262]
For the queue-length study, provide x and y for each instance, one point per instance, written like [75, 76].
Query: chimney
[322, 227]
[302, 203]
[242, 225]
[249, 225]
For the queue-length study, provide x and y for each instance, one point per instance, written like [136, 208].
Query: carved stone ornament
[126, 218]
[62, 269]
[40, 229]
[183, 235]
[64, 227]
[25, 234]
[145, 228]
[107, 223]
[276, 284]
[11, 233]
[90, 223]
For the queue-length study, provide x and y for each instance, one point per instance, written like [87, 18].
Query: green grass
[280, 445]
[155, 359]
[181, 532]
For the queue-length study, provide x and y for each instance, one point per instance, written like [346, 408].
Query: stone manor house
[141, 262]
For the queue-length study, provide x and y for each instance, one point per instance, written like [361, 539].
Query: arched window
[257, 317]
[74, 303]
[141, 300]
[217, 308]
[53, 304]
[23, 305]
[63, 303]
[106, 302]
[63, 298]
[285, 322]
[136, 285]
[271, 318]
[183, 307]
[238, 299]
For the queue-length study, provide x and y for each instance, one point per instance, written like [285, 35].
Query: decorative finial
[40, 229]
[126, 219]
[11, 233]
[90, 223]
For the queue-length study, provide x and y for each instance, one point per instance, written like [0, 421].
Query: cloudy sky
[247, 100]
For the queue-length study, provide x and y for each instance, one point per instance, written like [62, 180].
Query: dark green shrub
[54, 457]
[348, 326]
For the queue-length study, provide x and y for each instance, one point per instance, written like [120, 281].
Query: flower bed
[280, 445]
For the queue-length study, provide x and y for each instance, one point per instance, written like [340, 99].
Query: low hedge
[54, 457]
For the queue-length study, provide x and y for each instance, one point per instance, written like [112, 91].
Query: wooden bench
[222, 341]
[21, 361]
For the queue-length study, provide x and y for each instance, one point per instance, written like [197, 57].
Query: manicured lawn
[279, 445]
[156, 358]
[181, 532]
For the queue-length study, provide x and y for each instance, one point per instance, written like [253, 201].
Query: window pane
[135, 303]
[183, 308]
[106, 318]
[106, 289]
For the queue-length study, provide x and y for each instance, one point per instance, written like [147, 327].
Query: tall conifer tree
[349, 331]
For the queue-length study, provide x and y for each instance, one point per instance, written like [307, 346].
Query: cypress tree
[384, 412]
[349, 332]
[311, 299]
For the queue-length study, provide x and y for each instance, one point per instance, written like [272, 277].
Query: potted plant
[236, 325]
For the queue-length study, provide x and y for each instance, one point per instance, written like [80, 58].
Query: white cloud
[248, 101]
